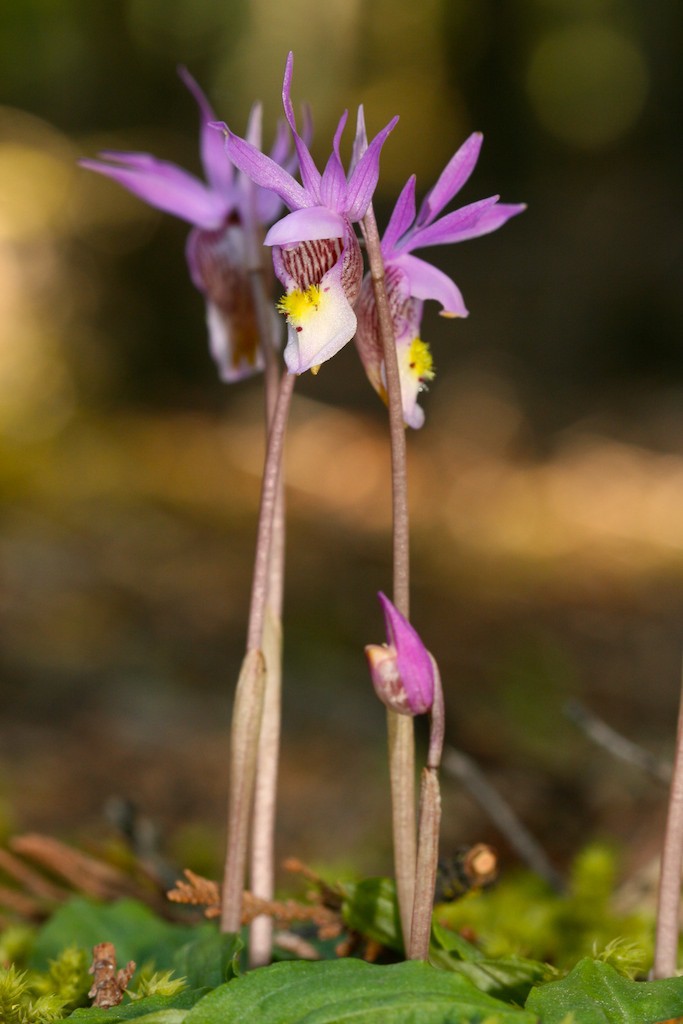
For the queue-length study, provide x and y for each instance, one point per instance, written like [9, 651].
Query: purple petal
[268, 204]
[360, 143]
[307, 132]
[414, 664]
[450, 228]
[333, 185]
[401, 218]
[265, 172]
[310, 175]
[217, 167]
[281, 147]
[165, 186]
[492, 219]
[305, 226]
[365, 174]
[451, 180]
[255, 126]
[426, 282]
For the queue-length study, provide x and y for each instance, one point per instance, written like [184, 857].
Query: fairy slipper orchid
[223, 210]
[316, 255]
[402, 670]
[410, 280]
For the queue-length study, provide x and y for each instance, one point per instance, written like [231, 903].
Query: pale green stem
[428, 831]
[262, 866]
[244, 734]
[242, 775]
[265, 795]
[400, 728]
[269, 493]
[427, 861]
[669, 895]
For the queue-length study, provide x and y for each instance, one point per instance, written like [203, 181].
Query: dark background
[546, 484]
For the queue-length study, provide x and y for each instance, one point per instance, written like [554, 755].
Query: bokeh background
[546, 484]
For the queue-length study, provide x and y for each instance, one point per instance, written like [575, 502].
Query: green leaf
[137, 933]
[334, 992]
[210, 959]
[509, 978]
[594, 993]
[152, 1010]
[445, 939]
[371, 908]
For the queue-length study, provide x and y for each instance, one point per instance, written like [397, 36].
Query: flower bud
[401, 671]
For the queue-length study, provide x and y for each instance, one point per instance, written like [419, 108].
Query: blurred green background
[546, 485]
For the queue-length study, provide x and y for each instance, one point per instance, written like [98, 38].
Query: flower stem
[262, 866]
[669, 895]
[249, 697]
[428, 831]
[244, 734]
[400, 728]
[269, 491]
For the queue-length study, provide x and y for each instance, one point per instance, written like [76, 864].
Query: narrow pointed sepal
[401, 671]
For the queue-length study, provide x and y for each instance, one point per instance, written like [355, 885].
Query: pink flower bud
[401, 671]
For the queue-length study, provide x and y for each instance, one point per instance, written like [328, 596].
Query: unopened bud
[383, 662]
[402, 671]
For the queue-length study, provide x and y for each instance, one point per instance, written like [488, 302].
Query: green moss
[16, 943]
[159, 983]
[19, 1005]
[523, 916]
[66, 978]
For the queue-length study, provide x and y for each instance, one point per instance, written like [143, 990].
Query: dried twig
[290, 942]
[32, 881]
[195, 891]
[198, 891]
[93, 877]
[109, 984]
[464, 769]
[20, 903]
[330, 895]
[614, 743]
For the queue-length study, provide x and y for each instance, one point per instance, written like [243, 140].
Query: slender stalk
[271, 476]
[400, 728]
[262, 865]
[249, 697]
[262, 869]
[669, 895]
[246, 724]
[399, 475]
[428, 831]
[427, 861]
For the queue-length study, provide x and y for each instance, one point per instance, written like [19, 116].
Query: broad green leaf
[509, 978]
[152, 1010]
[594, 993]
[353, 991]
[137, 933]
[209, 959]
[445, 939]
[371, 908]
